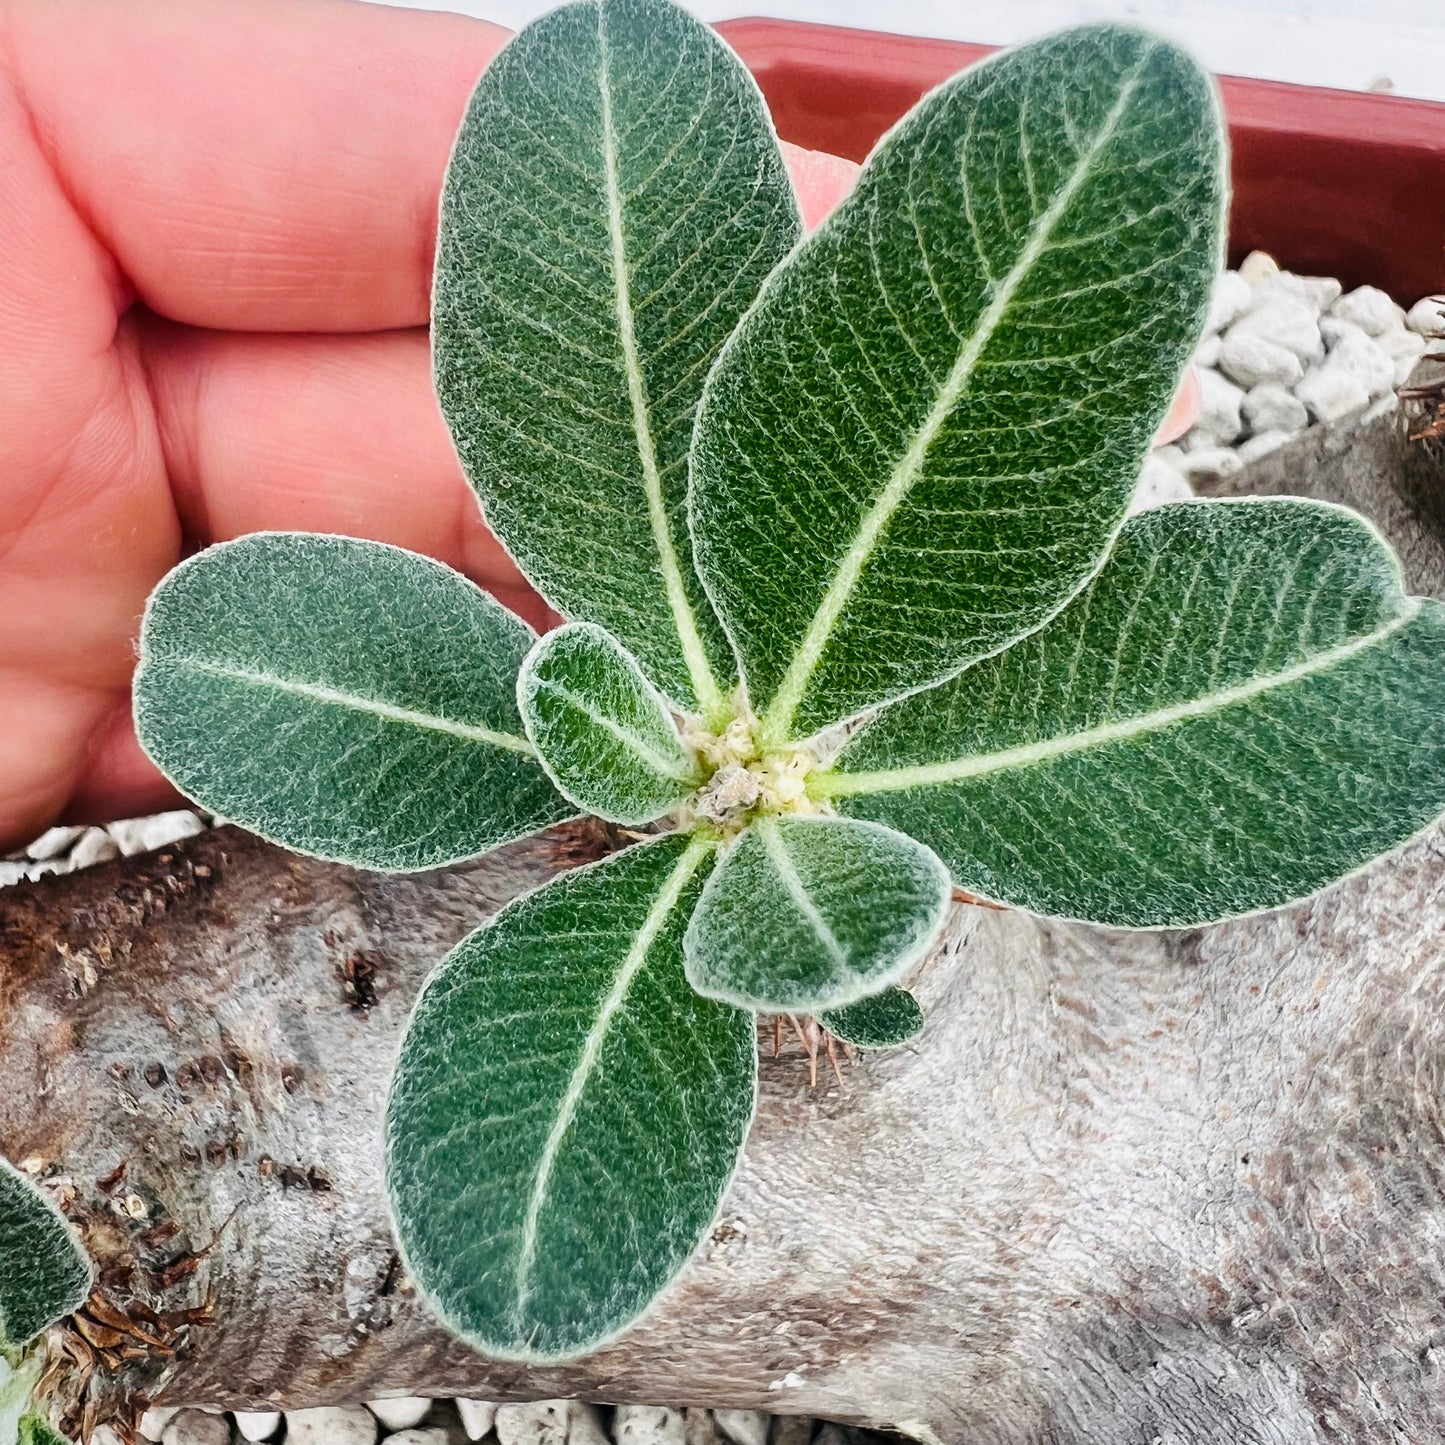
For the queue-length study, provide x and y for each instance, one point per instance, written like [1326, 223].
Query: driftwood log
[1178, 1187]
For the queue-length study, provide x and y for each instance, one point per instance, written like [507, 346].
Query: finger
[821, 181]
[1183, 411]
[86, 523]
[319, 434]
[342, 434]
[116, 779]
[267, 165]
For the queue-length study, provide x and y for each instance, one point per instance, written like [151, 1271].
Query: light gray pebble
[1320, 291]
[140, 835]
[540, 1422]
[1331, 392]
[1215, 464]
[648, 1425]
[433, 1436]
[331, 1425]
[1365, 359]
[400, 1412]
[1269, 407]
[1405, 348]
[1372, 310]
[477, 1416]
[1286, 321]
[1427, 316]
[153, 1423]
[1230, 299]
[744, 1427]
[53, 842]
[196, 1427]
[1258, 266]
[1334, 329]
[1408, 344]
[1219, 402]
[257, 1425]
[1405, 369]
[1263, 444]
[93, 846]
[585, 1426]
[1158, 483]
[1317, 292]
[1252, 360]
[1197, 439]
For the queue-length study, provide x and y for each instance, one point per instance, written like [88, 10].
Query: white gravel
[447, 1422]
[64, 849]
[196, 1427]
[1283, 353]
[433, 1435]
[648, 1425]
[544, 1422]
[153, 1423]
[1427, 317]
[477, 1417]
[94, 845]
[53, 842]
[141, 835]
[400, 1412]
[257, 1425]
[332, 1425]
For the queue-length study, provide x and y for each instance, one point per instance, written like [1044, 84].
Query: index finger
[272, 165]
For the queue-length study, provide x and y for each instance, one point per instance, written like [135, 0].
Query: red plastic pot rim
[1330, 182]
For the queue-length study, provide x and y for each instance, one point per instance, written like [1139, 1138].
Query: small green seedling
[855, 618]
[44, 1276]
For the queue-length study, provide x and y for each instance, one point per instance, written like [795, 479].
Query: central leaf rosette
[804, 911]
[744, 782]
[613, 744]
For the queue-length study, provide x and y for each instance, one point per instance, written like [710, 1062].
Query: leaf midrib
[592, 1047]
[772, 836]
[318, 692]
[778, 719]
[704, 684]
[892, 780]
[680, 768]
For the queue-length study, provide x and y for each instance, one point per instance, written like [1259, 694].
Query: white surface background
[1352, 44]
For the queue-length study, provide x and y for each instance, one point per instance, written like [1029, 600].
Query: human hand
[216, 229]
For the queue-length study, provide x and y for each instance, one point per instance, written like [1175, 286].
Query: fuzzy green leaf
[566, 1113]
[922, 439]
[881, 1021]
[615, 199]
[602, 730]
[44, 1273]
[804, 914]
[343, 698]
[1241, 708]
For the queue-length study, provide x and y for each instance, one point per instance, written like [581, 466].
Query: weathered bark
[1176, 1186]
